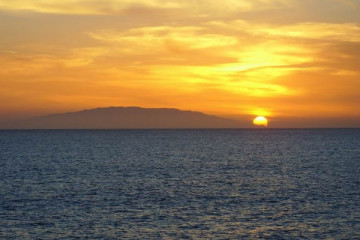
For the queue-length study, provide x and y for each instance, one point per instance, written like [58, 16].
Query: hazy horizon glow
[295, 62]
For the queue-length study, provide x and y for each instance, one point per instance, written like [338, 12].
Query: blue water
[180, 184]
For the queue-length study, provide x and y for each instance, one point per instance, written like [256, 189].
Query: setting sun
[260, 121]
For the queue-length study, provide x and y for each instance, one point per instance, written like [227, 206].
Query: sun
[260, 121]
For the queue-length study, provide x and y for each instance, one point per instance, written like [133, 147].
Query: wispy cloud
[110, 7]
[82, 7]
[311, 30]
[171, 38]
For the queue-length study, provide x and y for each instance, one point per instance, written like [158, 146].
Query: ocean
[180, 184]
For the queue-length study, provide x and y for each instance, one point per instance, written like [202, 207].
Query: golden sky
[296, 62]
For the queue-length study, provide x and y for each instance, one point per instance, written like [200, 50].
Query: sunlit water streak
[180, 184]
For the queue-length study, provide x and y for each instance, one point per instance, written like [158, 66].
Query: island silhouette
[127, 118]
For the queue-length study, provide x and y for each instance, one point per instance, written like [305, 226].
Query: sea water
[180, 184]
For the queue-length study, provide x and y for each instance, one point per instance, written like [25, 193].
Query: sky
[296, 62]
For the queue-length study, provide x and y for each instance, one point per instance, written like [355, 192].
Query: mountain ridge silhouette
[127, 118]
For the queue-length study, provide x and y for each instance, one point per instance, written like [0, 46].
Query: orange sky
[293, 61]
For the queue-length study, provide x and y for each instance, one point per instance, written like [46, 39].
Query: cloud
[171, 38]
[305, 30]
[249, 67]
[83, 7]
[110, 7]
[34, 63]
[323, 31]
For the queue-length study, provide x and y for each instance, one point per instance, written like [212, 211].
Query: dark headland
[126, 118]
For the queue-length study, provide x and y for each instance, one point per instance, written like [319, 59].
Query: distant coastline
[166, 118]
[127, 118]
